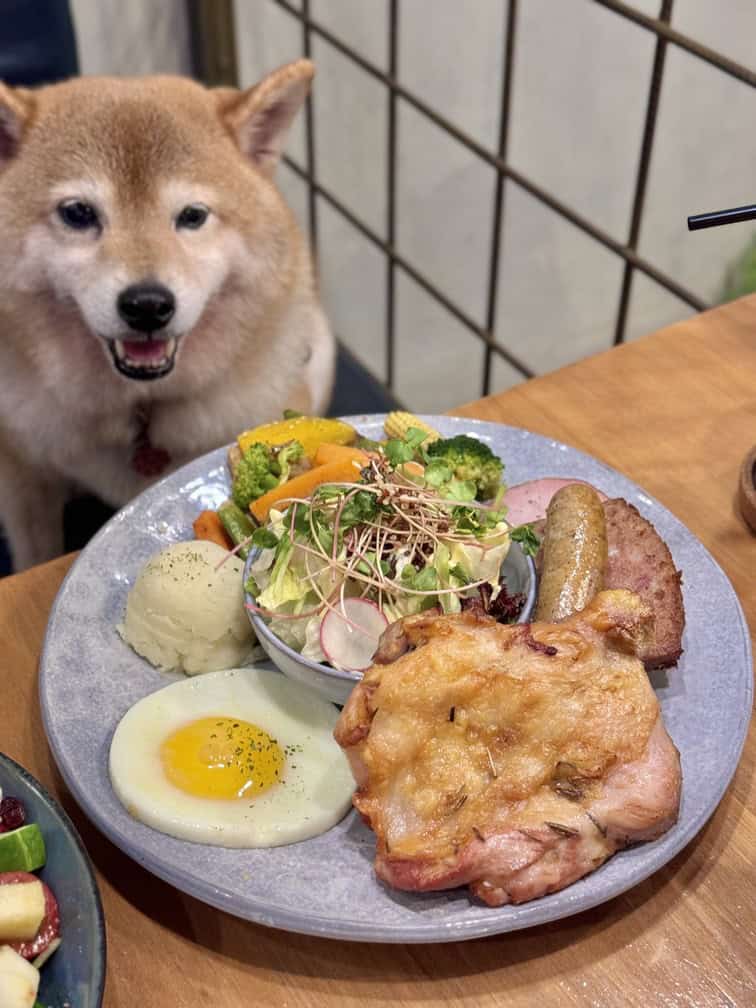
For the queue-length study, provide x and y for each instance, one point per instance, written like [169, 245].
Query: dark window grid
[644, 163]
[627, 251]
[312, 204]
[391, 165]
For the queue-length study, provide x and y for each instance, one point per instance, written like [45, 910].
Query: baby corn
[398, 422]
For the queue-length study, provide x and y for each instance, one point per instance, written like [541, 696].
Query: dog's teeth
[139, 365]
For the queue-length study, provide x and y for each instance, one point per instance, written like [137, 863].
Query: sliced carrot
[346, 471]
[413, 469]
[339, 453]
[207, 525]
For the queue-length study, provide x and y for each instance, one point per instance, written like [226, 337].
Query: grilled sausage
[574, 553]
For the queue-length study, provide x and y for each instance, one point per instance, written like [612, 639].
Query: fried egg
[238, 758]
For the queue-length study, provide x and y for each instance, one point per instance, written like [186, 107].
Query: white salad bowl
[336, 684]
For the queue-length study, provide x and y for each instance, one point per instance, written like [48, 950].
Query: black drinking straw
[732, 216]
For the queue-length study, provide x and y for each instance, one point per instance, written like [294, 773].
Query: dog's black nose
[146, 306]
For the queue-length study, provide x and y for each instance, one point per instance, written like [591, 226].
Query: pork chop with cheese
[511, 758]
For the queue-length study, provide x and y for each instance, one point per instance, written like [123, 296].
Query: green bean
[238, 525]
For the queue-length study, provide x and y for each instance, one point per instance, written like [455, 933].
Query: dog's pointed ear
[259, 118]
[15, 112]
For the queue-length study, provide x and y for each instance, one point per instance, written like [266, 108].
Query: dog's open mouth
[144, 359]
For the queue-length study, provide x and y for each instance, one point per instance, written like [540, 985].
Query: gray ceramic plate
[75, 975]
[325, 886]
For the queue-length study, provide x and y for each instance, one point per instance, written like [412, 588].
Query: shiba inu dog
[156, 295]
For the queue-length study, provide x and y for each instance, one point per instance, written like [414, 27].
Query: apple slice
[22, 910]
[527, 502]
[49, 929]
[350, 632]
[19, 980]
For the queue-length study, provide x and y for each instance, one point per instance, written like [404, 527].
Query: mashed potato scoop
[186, 613]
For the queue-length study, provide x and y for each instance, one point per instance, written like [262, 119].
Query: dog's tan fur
[253, 338]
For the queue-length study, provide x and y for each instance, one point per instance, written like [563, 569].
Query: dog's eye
[78, 215]
[192, 216]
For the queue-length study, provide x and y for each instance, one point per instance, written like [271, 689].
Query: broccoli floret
[469, 460]
[261, 468]
[286, 456]
[255, 475]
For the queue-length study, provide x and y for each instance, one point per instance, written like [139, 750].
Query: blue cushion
[356, 390]
[37, 42]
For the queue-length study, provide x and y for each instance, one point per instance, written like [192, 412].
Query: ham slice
[527, 502]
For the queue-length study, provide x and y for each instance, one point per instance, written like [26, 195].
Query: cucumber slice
[22, 849]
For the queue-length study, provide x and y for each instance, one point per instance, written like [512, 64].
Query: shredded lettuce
[283, 586]
[290, 631]
[290, 577]
[311, 648]
[480, 561]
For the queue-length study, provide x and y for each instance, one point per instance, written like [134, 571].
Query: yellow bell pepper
[311, 432]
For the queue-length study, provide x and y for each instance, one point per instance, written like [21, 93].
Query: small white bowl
[336, 685]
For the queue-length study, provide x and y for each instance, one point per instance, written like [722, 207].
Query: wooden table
[676, 412]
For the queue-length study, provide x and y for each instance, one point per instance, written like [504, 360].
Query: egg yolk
[222, 757]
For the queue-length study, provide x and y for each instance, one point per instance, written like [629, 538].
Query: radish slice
[527, 502]
[349, 634]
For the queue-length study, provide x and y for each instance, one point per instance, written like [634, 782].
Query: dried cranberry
[474, 605]
[505, 608]
[12, 813]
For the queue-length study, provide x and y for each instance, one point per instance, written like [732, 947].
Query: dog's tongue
[145, 351]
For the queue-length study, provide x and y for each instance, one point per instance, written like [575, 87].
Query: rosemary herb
[597, 824]
[567, 831]
[457, 799]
